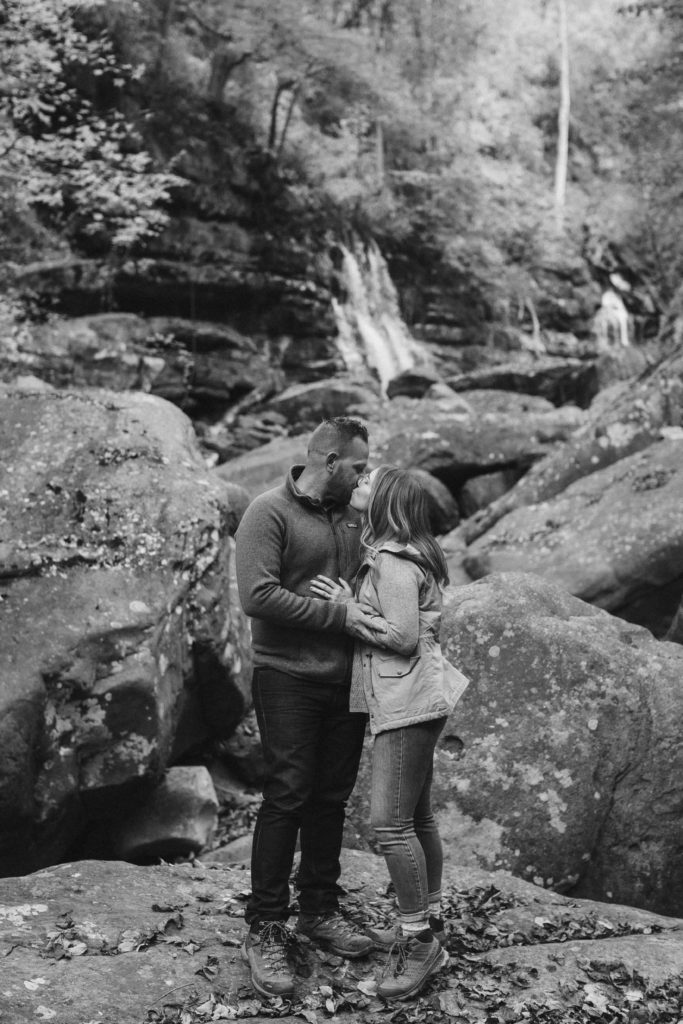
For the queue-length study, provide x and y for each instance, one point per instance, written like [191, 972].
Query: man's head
[337, 455]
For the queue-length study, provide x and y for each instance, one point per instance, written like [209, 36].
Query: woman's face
[362, 491]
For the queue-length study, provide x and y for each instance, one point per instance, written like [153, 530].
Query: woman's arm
[397, 582]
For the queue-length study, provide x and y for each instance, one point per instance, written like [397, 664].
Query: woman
[407, 689]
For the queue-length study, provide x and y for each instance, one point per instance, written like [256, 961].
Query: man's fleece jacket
[285, 539]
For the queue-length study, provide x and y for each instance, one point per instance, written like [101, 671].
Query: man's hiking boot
[410, 963]
[265, 950]
[335, 933]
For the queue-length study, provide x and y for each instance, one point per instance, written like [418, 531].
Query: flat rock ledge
[105, 942]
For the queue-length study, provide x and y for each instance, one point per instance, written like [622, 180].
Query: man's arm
[258, 558]
[363, 624]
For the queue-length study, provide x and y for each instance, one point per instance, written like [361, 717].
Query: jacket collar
[394, 547]
[306, 499]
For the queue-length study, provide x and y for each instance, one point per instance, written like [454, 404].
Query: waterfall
[371, 333]
[612, 323]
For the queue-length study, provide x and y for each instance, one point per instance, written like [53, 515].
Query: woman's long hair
[398, 510]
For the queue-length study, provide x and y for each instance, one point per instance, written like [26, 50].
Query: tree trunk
[379, 153]
[562, 119]
[272, 131]
[288, 118]
[166, 20]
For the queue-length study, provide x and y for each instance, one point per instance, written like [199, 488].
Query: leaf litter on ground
[470, 990]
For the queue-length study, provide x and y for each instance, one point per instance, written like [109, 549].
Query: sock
[435, 907]
[412, 929]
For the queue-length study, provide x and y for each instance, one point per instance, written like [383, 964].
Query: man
[303, 650]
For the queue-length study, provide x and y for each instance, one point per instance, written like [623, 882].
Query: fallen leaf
[449, 1003]
[224, 1012]
[210, 968]
[310, 1015]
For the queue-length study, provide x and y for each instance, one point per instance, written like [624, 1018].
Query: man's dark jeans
[312, 746]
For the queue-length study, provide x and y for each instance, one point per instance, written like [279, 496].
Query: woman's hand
[323, 586]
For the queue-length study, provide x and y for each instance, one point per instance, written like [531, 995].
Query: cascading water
[612, 323]
[371, 331]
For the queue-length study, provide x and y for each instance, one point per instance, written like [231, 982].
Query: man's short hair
[336, 433]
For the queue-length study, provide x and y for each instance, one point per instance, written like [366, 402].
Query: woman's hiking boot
[411, 961]
[385, 938]
[335, 933]
[266, 950]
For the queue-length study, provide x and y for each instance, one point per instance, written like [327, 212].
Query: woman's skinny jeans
[401, 814]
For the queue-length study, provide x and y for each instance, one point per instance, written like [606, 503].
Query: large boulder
[122, 643]
[266, 466]
[563, 761]
[558, 380]
[633, 416]
[178, 818]
[613, 538]
[305, 405]
[450, 439]
[494, 430]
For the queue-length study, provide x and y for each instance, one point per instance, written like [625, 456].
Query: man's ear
[330, 461]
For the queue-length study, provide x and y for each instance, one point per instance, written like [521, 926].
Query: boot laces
[275, 941]
[399, 953]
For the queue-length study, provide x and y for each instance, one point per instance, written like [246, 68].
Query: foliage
[431, 124]
[651, 129]
[69, 152]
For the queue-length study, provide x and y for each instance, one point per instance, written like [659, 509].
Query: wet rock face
[120, 632]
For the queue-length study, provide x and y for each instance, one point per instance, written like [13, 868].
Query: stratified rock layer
[627, 421]
[613, 538]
